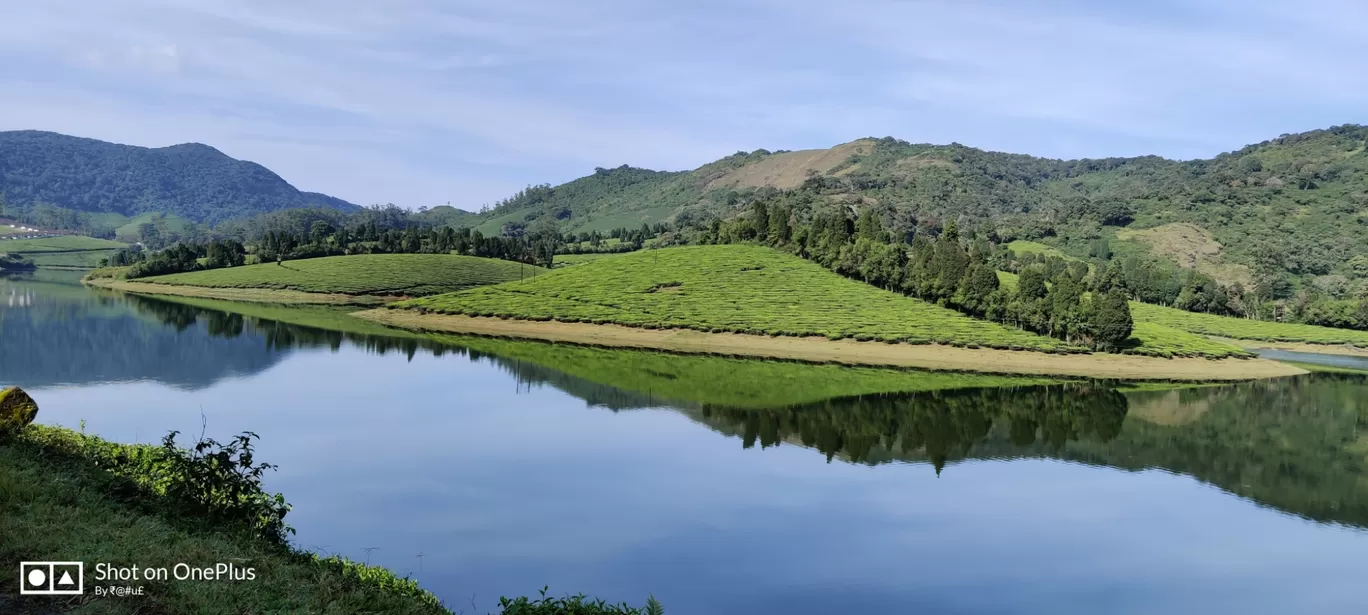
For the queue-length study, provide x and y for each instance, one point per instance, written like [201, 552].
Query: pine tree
[1112, 323]
[779, 231]
[761, 219]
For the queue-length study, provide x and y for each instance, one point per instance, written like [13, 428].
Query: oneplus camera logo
[51, 578]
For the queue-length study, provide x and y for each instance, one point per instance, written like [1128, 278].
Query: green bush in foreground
[574, 605]
[730, 288]
[362, 274]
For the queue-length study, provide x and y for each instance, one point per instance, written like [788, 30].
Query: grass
[1031, 247]
[362, 274]
[67, 496]
[1244, 329]
[63, 251]
[729, 288]
[566, 260]
[129, 230]
[1156, 340]
[64, 243]
[1327, 369]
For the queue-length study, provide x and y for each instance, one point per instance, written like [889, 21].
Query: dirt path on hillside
[820, 349]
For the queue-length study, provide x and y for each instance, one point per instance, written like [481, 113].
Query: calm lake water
[486, 467]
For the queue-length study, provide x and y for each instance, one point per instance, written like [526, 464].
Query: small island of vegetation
[749, 300]
[359, 278]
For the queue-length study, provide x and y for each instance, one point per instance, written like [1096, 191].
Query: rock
[17, 409]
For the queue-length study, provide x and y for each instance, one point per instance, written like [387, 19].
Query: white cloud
[421, 102]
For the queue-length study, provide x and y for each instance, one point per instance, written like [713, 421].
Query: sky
[428, 102]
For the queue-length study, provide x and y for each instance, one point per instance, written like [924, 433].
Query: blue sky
[421, 102]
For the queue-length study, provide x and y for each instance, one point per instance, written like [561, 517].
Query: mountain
[193, 181]
[1298, 203]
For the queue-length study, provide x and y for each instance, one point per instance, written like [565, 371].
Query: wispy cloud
[423, 102]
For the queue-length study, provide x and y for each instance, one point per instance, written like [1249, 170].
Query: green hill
[731, 288]
[362, 274]
[1245, 329]
[193, 181]
[62, 251]
[1296, 204]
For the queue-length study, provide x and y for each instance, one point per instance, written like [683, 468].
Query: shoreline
[1335, 349]
[850, 352]
[249, 295]
[88, 499]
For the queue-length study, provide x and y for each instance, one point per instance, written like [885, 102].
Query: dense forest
[77, 183]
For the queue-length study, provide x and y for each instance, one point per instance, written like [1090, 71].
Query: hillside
[1297, 204]
[192, 181]
[362, 274]
[62, 250]
[732, 288]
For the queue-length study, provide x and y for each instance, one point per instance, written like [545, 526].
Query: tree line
[950, 270]
[941, 426]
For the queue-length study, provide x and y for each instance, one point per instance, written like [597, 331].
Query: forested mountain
[1296, 205]
[193, 181]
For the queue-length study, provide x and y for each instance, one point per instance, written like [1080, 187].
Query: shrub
[574, 605]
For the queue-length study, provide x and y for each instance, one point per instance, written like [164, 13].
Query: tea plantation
[362, 274]
[729, 288]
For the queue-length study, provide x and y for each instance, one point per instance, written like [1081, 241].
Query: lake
[484, 467]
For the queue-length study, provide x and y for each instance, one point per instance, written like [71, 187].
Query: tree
[1112, 323]
[760, 218]
[977, 288]
[1031, 285]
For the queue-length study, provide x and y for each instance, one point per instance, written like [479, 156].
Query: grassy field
[1156, 340]
[566, 260]
[129, 230]
[1030, 247]
[362, 274]
[1244, 329]
[730, 288]
[63, 251]
[64, 243]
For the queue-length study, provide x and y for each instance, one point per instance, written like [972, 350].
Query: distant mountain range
[1298, 202]
[193, 181]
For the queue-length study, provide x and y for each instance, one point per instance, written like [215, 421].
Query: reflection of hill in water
[1293, 444]
[1299, 445]
[48, 340]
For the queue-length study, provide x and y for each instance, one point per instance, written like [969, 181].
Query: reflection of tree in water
[68, 335]
[1296, 444]
[938, 426]
[280, 336]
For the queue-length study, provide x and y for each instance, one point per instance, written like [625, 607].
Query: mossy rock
[17, 409]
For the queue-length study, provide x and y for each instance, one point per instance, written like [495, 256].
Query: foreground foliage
[736, 288]
[65, 494]
[574, 605]
[362, 274]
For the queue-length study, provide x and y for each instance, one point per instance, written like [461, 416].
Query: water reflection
[732, 486]
[55, 333]
[1295, 444]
